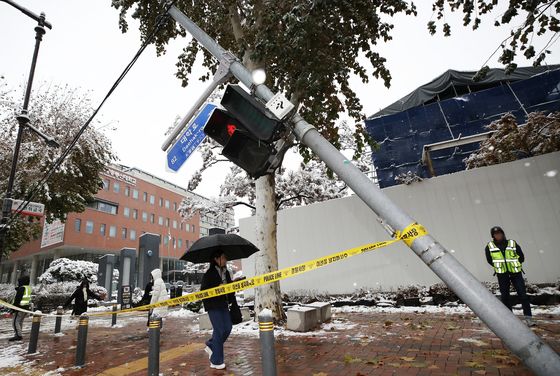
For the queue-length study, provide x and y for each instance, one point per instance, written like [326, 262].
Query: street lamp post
[23, 119]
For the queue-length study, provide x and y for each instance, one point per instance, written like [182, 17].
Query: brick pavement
[352, 344]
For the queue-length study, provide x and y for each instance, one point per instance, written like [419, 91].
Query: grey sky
[86, 49]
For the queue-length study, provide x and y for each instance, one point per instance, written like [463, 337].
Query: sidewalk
[373, 343]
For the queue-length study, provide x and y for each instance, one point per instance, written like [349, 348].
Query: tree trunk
[267, 296]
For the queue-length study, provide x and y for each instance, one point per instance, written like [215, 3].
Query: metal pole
[58, 320]
[82, 341]
[266, 335]
[536, 354]
[23, 120]
[222, 74]
[114, 316]
[154, 329]
[34, 336]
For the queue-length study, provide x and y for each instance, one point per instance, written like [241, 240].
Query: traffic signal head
[239, 147]
[254, 116]
[247, 131]
[221, 126]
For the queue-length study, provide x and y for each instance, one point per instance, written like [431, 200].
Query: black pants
[516, 279]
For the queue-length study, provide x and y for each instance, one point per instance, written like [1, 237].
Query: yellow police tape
[408, 235]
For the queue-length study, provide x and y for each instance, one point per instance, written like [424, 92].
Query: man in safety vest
[506, 257]
[22, 300]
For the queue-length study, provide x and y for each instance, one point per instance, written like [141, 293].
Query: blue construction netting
[402, 136]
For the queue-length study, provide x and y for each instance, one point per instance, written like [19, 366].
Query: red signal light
[230, 129]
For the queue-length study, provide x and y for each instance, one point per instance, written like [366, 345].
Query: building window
[152, 199]
[127, 191]
[116, 187]
[187, 227]
[165, 240]
[160, 221]
[174, 245]
[174, 223]
[104, 206]
[167, 204]
[166, 222]
[145, 196]
[175, 206]
[144, 217]
[135, 213]
[112, 231]
[106, 184]
[135, 194]
[89, 227]
[123, 233]
[180, 243]
[192, 227]
[160, 201]
[77, 224]
[132, 234]
[102, 228]
[181, 226]
[203, 231]
[126, 212]
[152, 218]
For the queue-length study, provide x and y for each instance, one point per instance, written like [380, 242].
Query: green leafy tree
[309, 50]
[538, 25]
[58, 111]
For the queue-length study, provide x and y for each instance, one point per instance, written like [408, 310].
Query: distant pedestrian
[159, 294]
[506, 256]
[80, 297]
[21, 300]
[218, 309]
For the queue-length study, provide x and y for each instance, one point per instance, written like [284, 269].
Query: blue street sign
[190, 139]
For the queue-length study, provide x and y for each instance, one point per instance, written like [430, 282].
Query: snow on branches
[509, 142]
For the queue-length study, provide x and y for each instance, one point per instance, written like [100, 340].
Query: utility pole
[536, 354]
[23, 120]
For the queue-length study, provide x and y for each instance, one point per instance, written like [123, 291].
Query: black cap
[495, 230]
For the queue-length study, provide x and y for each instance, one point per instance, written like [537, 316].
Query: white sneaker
[208, 351]
[219, 366]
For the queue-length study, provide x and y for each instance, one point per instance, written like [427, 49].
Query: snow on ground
[251, 328]
[182, 313]
[449, 310]
[11, 356]
[13, 362]
[474, 341]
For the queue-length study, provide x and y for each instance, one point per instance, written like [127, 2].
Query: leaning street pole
[534, 353]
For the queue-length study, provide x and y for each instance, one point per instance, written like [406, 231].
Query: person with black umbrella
[217, 250]
[218, 309]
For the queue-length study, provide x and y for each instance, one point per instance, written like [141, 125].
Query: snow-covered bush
[408, 178]
[7, 292]
[47, 297]
[137, 295]
[64, 270]
[509, 142]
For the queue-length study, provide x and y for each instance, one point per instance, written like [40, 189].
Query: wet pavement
[350, 344]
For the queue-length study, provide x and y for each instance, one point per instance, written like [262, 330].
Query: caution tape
[408, 235]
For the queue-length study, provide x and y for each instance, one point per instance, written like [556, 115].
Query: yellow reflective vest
[26, 299]
[507, 261]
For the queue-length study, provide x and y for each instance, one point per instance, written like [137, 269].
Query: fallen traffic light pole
[535, 354]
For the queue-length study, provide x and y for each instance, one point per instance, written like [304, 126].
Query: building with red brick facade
[131, 203]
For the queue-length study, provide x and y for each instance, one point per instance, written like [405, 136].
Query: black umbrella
[233, 246]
